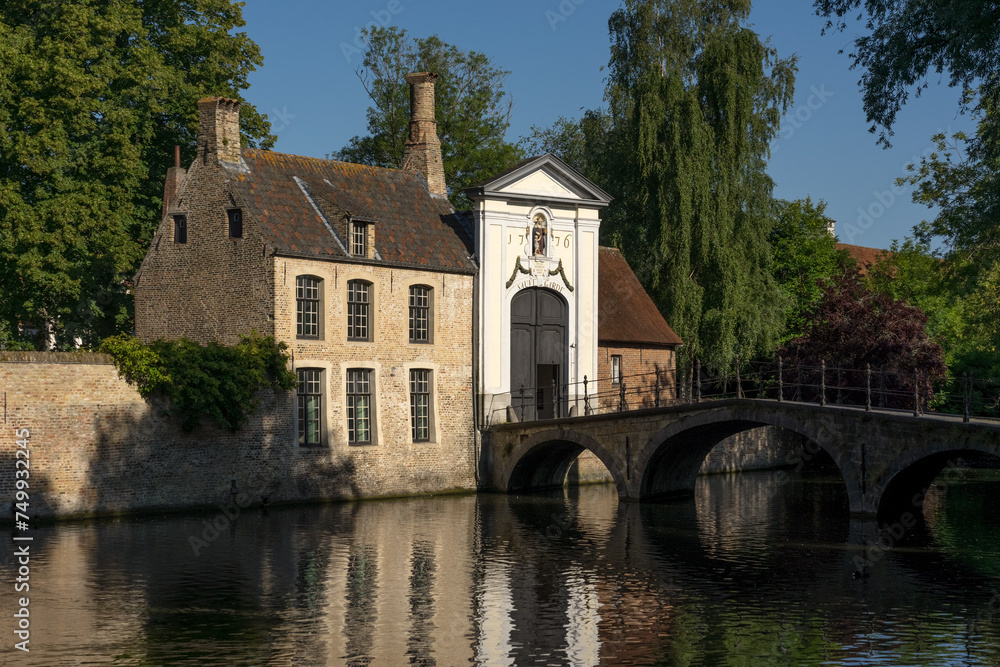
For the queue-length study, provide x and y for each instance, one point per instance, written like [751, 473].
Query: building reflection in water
[573, 579]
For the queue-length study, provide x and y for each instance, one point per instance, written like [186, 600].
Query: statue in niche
[539, 235]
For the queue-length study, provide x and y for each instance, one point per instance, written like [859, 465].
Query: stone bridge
[887, 458]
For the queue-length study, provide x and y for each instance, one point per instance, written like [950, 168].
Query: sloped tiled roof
[288, 192]
[865, 257]
[626, 314]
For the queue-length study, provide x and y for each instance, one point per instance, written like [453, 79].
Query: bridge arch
[670, 460]
[541, 461]
[909, 477]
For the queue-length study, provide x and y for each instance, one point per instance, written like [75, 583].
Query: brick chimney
[422, 151]
[219, 129]
[175, 176]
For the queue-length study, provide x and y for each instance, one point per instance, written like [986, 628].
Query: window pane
[180, 229]
[359, 420]
[307, 307]
[359, 239]
[419, 314]
[235, 223]
[357, 309]
[310, 403]
[420, 401]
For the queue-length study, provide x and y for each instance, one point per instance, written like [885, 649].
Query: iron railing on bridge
[870, 388]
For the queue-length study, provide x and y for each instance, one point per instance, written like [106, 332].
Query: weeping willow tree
[695, 99]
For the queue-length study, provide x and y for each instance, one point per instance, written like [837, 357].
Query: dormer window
[235, 223]
[180, 228]
[359, 239]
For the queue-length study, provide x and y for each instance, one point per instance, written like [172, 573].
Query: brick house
[362, 271]
[636, 346]
[406, 320]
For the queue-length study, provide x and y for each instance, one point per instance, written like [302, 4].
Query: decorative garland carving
[562, 273]
[517, 267]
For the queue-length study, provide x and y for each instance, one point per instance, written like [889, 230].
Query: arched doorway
[538, 354]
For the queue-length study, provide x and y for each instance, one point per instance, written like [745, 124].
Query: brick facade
[644, 369]
[390, 356]
[97, 447]
[298, 215]
[212, 287]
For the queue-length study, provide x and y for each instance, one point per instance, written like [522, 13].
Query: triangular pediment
[543, 178]
[543, 182]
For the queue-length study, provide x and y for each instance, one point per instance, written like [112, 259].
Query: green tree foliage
[94, 94]
[908, 40]
[471, 107]
[695, 99]
[962, 302]
[216, 381]
[805, 259]
[962, 179]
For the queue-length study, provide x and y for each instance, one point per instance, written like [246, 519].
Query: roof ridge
[263, 152]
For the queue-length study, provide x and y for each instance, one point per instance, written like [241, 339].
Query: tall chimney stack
[219, 129]
[175, 176]
[422, 150]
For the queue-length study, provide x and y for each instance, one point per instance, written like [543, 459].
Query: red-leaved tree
[851, 328]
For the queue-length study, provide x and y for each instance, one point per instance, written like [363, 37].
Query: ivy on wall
[217, 381]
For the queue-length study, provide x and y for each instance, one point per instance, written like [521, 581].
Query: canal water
[757, 569]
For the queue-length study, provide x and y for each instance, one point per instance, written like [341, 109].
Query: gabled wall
[504, 223]
[213, 287]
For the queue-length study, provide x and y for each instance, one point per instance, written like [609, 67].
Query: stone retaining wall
[97, 447]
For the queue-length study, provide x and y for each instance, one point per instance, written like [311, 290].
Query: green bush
[213, 380]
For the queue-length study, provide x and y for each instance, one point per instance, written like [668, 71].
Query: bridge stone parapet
[886, 458]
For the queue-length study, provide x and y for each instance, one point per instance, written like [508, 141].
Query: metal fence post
[586, 397]
[656, 399]
[881, 387]
[739, 383]
[916, 393]
[972, 383]
[697, 381]
[822, 383]
[555, 399]
[868, 387]
[798, 382]
[621, 396]
[781, 380]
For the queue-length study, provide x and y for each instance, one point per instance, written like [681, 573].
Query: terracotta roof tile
[626, 314]
[865, 257]
[411, 226]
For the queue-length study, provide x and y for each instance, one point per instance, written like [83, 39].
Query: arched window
[421, 426]
[360, 406]
[359, 293]
[308, 307]
[309, 406]
[420, 314]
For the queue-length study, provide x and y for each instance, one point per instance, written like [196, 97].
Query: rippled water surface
[755, 570]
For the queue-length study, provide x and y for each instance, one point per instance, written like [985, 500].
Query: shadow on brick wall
[38, 491]
[143, 460]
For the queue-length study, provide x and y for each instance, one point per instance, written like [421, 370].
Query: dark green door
[538, 361]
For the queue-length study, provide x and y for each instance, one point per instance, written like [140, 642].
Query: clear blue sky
[309, 89]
